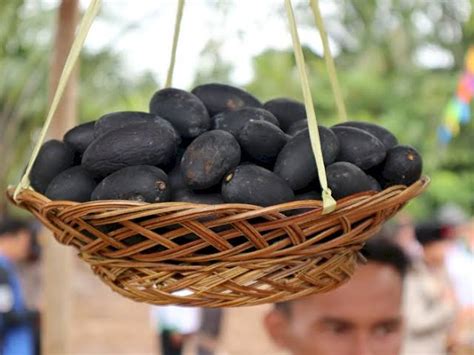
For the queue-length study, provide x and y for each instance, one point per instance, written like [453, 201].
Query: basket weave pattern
[219, 255]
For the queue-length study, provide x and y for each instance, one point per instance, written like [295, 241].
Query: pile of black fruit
[218, 144]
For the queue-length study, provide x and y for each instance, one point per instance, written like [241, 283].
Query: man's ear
[276, 325]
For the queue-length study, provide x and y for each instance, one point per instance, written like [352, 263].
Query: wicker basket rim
[28, 194]
[260, 270]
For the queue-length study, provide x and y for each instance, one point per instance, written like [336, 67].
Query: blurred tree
[212, 67]
[398, 63]
[25, 42]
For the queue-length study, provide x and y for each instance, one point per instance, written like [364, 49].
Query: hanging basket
[219, 255]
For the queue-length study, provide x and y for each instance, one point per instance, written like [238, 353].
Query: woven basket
[219, 255]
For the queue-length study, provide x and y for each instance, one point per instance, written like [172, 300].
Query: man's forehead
[374, 289]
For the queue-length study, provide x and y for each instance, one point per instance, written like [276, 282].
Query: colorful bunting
[457, 111]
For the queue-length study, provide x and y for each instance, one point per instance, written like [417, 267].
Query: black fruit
[208, 158]
[117, 120]
[234, 121]
[219, 97]
[255, 185]
[184, 110]
[80, 137]
[53, 158]
[262, 140]
[345, 179]
[176, 178]
[297, 127]
[374, 184]
[286, 110]
[383, 134]
[73, 184]
[310, 195]
[402, 166]
[376, 171]
[185, 142]
[359, 147]
[174, 161]
[136, 183]
[186, 195]
[139, 144]
[296, 163]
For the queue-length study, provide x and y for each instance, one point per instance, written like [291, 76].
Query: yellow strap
[336, 89]
[72, 57]
[329, 204]
[177, 26]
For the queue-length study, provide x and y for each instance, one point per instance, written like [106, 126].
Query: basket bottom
[239, 255]
[242, 284]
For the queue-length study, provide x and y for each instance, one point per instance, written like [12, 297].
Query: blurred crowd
[439, 288]
[415, 295]
[19, 287]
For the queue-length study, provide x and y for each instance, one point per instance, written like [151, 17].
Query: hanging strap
[177, 27]
[71, 60]
[336, 89]
[329, 204]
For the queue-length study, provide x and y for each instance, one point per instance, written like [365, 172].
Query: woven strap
[331, 68]
[177, 27]
[329, 204]
[71, 60]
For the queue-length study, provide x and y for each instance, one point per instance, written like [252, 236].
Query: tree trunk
[57, 262]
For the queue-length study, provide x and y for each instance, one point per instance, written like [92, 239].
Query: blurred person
[402, 231]
[460, 256]
[175, 326]
[429, 302]
[427, 316]
[209, 330]
[16, 321]
[361, 317]
[30, 276]
[460, 266]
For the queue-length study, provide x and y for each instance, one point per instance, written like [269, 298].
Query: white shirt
[183, 320]
[460, 266]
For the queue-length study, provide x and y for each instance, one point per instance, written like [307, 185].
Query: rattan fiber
[219, 255]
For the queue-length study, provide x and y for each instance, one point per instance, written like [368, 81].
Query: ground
[106, 323]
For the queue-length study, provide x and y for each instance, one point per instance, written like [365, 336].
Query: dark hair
[11, 225]
[384, 251]
[429, 232]
[380, 250]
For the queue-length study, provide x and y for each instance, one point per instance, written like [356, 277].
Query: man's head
[362, 317]
[434, 237]
[15, 238]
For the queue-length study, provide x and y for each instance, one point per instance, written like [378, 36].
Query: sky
[141, 31]
[143, 34]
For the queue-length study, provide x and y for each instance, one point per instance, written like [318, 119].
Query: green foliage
[212, 65]
[26, 30]
[102, 71]
[378, 49]
[383, 82]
